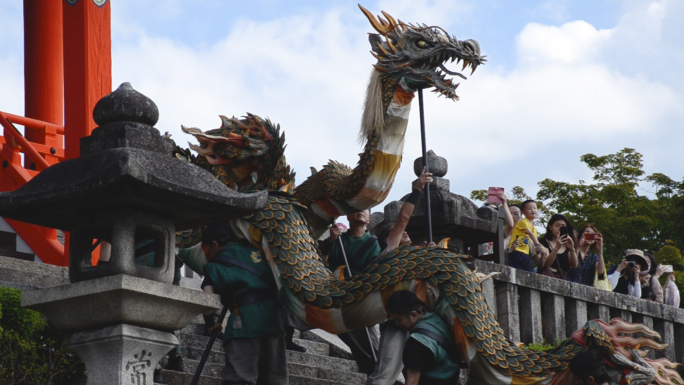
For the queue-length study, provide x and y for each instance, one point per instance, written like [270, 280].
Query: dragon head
[418, 53]
[245, 154]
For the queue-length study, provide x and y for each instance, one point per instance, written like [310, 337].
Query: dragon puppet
[248, 154]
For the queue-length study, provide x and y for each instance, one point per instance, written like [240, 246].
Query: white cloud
[561, 99]
[573, 43]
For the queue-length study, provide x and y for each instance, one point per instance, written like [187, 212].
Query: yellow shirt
[519, 230]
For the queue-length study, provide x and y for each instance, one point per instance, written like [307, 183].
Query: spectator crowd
[564, 252]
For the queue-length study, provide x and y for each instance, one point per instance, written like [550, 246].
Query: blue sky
[563, 78]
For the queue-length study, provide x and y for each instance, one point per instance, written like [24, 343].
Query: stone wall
[29, 275]
[533, 308]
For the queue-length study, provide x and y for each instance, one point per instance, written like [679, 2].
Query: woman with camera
[560, 241]
[625, 278]
[591, 269]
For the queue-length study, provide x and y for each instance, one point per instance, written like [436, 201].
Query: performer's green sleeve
[194, 258]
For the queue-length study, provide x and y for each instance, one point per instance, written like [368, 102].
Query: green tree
[31, 350]
[626, 219]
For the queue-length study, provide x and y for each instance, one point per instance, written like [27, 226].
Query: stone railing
[533, 308]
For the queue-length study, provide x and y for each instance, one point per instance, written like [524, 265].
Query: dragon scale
[248, 154]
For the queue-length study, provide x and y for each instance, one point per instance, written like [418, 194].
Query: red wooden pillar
[43, 82]
[87, 66]
[87, 70]
[43, 70]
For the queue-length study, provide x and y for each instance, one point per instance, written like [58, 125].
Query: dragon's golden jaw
[433, 72]
[418, 54]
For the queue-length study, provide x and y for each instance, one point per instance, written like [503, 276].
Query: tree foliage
[613, 203]
[31, 350]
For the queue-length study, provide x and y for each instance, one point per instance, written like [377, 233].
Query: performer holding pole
[346, 264]
[425, 164]
[353, 251]
[210, 344]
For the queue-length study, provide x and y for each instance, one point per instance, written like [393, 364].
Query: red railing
[14, 173]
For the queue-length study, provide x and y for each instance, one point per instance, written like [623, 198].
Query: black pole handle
[205, 355]
[428, 209]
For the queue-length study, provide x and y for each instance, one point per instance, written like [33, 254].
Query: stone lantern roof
[126, 163]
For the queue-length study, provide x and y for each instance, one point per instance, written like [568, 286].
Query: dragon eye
[423, 44]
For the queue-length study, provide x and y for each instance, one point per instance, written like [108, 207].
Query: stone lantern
[453, 216]
[125, 189]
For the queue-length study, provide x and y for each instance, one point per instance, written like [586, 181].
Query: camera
[592, 236]
[631, 264]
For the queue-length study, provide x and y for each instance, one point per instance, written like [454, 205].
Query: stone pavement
[325, 363]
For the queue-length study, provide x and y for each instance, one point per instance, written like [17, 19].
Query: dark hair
[221, 233]
[648, 293]
[589, 363]
[654, 264]
[555, 218]
[515, 205]
[383, 235]
[404, 302]
[583, 229]
[525, 203]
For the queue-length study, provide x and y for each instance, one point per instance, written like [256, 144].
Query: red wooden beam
[87, 70]
[87, 66]
[43, 70]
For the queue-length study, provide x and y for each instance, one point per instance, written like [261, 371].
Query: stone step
[324, 362]
[327, 360]
[176, 378]
[215, 370]
[337, 348]
[200, 342]
[346, 377]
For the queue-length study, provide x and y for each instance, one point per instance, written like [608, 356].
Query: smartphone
[667, 269]
[592, 236]
[563, 231]
[493, 195]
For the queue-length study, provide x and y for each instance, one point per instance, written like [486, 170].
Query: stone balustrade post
[575, 314]
[489, 292]
[553, 317]
[507, 309]
[530, 316]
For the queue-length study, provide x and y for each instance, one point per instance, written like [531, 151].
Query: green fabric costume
[255, 311]
[359, 253]
[443, 367]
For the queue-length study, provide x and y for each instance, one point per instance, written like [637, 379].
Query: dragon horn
[225, 122]
[376, 23]
[393, 23]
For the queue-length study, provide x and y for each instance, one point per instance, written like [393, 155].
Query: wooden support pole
[87, 71]
[87, 66]
[43, 70]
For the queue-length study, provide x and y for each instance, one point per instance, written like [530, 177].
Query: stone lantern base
[120, 326]
[121, 354]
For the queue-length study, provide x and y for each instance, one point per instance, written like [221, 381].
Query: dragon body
[248, 154]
